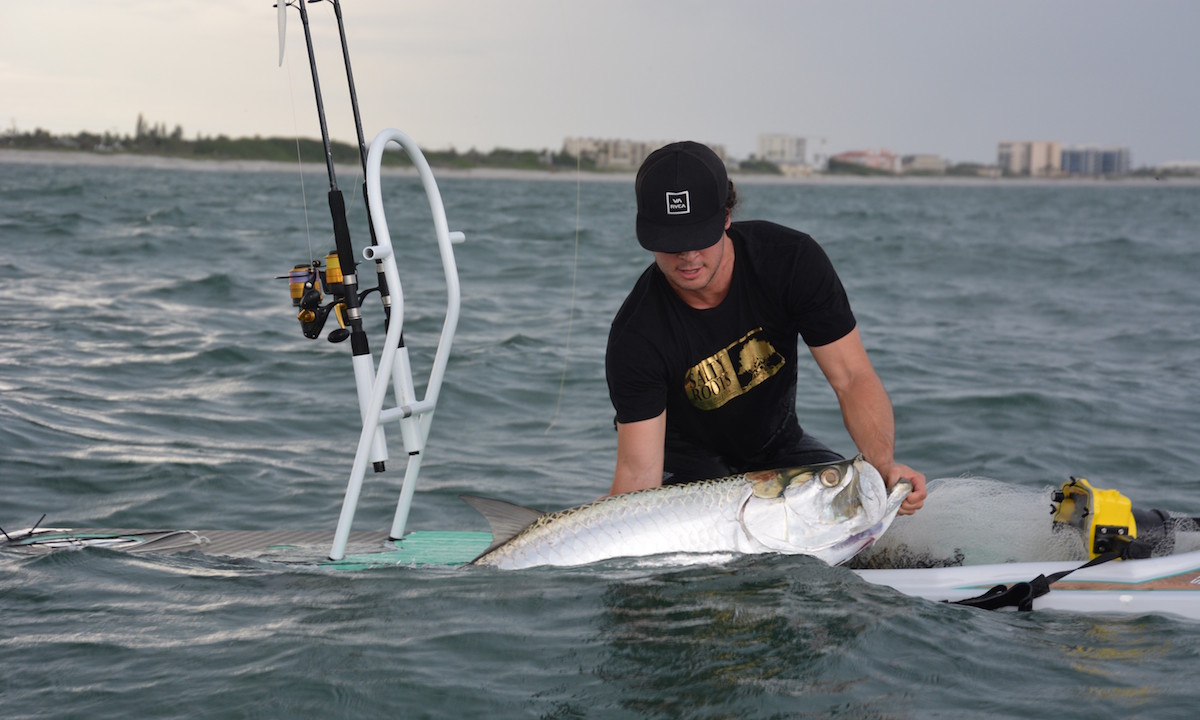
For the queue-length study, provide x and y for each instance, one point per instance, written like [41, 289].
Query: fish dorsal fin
[506, 519]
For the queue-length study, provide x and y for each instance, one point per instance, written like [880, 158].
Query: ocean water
[152, 374]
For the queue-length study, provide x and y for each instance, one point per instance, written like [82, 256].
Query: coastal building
[923, 164]
[612, 154]
[1088, 160]
[1179, 167]
[879, 160]
[788, 152]
[779, 148]
[1030, 158]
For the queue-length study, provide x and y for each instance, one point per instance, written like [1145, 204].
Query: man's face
[694, 270]
[699, 271]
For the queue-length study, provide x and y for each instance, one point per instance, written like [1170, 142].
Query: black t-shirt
[727, 375]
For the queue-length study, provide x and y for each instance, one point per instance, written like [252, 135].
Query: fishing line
[572, 64]
[562, 383]
[300, 162]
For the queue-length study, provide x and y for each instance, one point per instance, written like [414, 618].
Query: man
[702, 356]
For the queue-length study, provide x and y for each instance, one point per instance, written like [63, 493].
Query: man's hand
[898, 471]
[867, 412]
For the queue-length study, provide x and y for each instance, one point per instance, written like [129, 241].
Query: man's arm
[867, 411]
[639, 454]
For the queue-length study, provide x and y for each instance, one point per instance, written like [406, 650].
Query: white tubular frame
[415, 416]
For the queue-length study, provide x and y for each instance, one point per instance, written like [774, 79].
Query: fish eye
[830, 477]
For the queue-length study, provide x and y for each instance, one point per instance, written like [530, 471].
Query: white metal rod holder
[417, 412]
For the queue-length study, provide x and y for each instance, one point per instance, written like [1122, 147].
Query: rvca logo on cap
[679, 203]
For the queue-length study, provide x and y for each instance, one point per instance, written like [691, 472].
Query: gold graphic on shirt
[715, 380]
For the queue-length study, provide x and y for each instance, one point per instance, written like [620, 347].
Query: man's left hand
[916, 498]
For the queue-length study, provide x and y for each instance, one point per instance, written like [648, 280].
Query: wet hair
[731, 201]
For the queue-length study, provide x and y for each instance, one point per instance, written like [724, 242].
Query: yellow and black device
[1104, 518]
[305, 283]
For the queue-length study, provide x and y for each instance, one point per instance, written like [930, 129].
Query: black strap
[1022, 594]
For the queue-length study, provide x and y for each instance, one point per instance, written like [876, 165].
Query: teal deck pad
[421, 548]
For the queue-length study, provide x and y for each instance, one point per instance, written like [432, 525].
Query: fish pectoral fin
[505, 519]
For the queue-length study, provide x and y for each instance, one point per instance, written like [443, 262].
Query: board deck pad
[421, 548]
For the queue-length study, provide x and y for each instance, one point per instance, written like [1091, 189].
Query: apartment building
[1030, 158]
[782, 149]
[612, 154]
[924, 164]
[1088, 160]
[788, 152]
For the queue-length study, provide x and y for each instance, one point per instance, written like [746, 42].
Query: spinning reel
[305, 283]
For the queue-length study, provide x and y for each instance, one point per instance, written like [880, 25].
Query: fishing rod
[381, 279]
[339, 277]
[413, 412]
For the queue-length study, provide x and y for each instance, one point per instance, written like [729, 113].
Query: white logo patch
[679, 203]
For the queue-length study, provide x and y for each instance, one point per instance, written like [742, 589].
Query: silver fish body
[830, 511]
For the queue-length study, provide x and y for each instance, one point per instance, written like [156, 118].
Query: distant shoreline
[156, 162]
[161, 162]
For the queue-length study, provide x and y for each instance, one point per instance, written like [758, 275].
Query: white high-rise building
[1037, 158]
[617, 154]
[783, 149]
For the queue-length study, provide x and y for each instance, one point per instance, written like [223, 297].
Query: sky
[946, 77]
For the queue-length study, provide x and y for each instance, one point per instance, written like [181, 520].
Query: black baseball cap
[681, 193]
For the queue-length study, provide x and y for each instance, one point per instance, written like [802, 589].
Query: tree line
[156, 139]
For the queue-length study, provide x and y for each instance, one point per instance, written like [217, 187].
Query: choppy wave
[153, 374]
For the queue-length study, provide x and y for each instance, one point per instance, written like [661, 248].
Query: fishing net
[974, 521]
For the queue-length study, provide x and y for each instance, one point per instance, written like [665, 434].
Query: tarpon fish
[830, 511]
